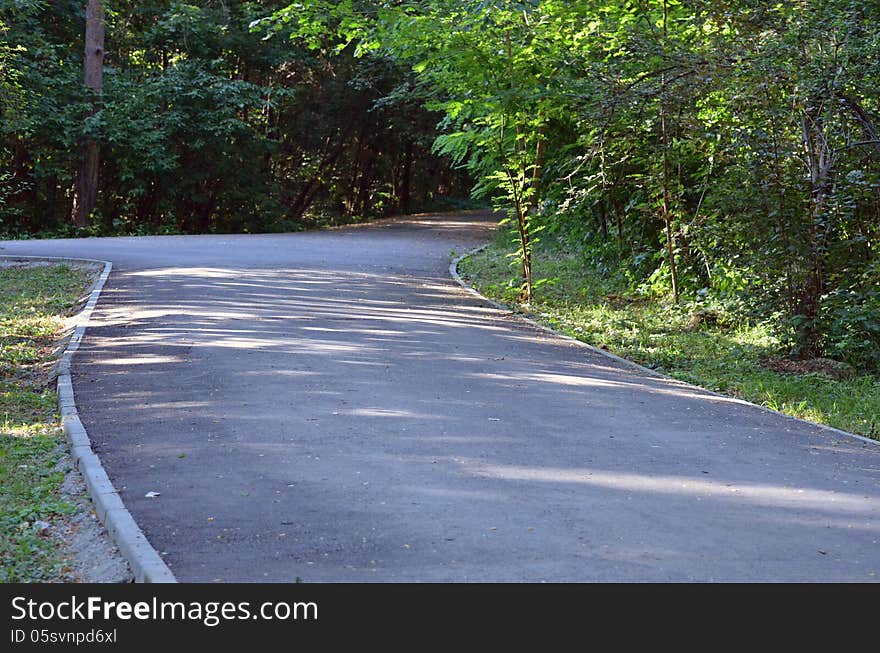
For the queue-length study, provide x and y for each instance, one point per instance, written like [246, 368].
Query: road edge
[453, 271]
[145, 562]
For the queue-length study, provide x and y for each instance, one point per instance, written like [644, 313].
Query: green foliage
[752, 130]
[29, 494]
[204, 125]
[850, 319]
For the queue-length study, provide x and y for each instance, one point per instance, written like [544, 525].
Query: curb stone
[453, 271]
[146, 564]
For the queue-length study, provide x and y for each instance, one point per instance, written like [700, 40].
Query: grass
[33, 304]
[726, 357]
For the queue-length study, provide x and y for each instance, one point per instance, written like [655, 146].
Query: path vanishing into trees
[330, 406]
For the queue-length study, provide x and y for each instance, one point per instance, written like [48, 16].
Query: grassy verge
[33, 304]
[727, 356]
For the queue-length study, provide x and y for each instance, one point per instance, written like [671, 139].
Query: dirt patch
[621, 301]
[831, 368]
[701, 319]
[91, 555]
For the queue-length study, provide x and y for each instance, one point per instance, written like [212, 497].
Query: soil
[703, 318]
[91, 555]
[828, 367]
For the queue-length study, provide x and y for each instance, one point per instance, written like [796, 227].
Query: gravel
[92, 556]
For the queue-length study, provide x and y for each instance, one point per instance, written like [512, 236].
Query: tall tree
[93, 74]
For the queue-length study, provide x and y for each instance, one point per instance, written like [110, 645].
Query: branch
[866, 121]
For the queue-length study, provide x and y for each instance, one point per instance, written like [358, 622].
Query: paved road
[331, 407]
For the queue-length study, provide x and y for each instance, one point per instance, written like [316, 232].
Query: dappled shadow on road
[328, 424]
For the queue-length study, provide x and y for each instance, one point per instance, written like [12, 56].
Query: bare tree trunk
[667, 217]
[86, 195]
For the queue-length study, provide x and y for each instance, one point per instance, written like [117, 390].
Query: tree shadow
[364, 425]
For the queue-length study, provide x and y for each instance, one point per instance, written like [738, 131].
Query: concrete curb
[453, 271]
[145, 562]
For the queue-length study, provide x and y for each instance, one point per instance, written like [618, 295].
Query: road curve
[330, 406]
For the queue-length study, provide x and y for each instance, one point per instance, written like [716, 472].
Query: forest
[726, 151]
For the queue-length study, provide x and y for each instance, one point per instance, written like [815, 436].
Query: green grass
[33, 303]
[726, 357]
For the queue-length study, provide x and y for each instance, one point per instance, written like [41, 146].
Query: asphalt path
[331, 406]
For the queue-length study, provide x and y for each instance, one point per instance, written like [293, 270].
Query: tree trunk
[520, 203]
[602, 218]
[86, 195]
[297, 207]
[821, 161]
[364, 203]
[667, 213]
[618, 222]
[526, 244]
[406, 183]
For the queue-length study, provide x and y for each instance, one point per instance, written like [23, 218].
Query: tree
[86, 193]
[490, 67]
[720, 151]
[203, 124]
